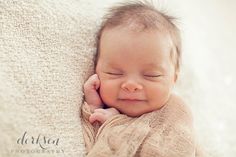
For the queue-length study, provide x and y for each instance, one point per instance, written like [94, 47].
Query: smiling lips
[131, 98]
[128, 100]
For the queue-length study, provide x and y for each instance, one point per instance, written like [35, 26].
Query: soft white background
[207, 80]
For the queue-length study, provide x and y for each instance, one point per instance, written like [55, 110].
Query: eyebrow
[110, 65]
[148, 65]
[154, 66]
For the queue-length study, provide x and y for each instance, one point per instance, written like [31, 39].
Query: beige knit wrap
[167, 132]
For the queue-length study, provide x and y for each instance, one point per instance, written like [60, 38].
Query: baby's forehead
[136, 31]
[126, 35]
[142, 65]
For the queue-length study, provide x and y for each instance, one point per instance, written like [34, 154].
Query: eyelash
[117, 74]
[152, 75]
[113, 73]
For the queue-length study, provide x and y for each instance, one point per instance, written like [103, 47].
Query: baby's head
[138, 58]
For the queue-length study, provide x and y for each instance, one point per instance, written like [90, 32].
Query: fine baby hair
[142, 16]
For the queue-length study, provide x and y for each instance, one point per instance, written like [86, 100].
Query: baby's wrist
[93, 99]
[94, 107]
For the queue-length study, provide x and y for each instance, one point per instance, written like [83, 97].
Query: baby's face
[135, 70]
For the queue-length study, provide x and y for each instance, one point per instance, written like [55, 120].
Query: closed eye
[152, 75]
[111, 73]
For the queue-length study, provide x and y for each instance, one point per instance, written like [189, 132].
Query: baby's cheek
[107, 92]
[158, 93]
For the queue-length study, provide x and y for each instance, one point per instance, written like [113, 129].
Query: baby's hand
[101, 115]
[90, 91]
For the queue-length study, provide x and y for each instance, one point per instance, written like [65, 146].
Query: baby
[137, 65]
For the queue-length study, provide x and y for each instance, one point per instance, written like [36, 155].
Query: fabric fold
[167, 132]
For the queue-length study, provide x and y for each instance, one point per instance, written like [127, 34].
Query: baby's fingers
[97, 116]
[101, 110]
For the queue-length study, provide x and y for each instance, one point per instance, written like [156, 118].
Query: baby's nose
[131, 86]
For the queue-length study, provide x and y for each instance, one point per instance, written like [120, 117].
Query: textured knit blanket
[167, 132]
[46, 55]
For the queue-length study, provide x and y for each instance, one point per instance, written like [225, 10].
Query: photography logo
[37, 144]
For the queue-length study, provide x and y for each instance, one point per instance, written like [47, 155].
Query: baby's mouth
[132, 100]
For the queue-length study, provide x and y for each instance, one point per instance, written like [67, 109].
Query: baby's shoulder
[177, 102]
[179, 108]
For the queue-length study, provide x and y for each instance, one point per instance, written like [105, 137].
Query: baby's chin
[135, 113]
